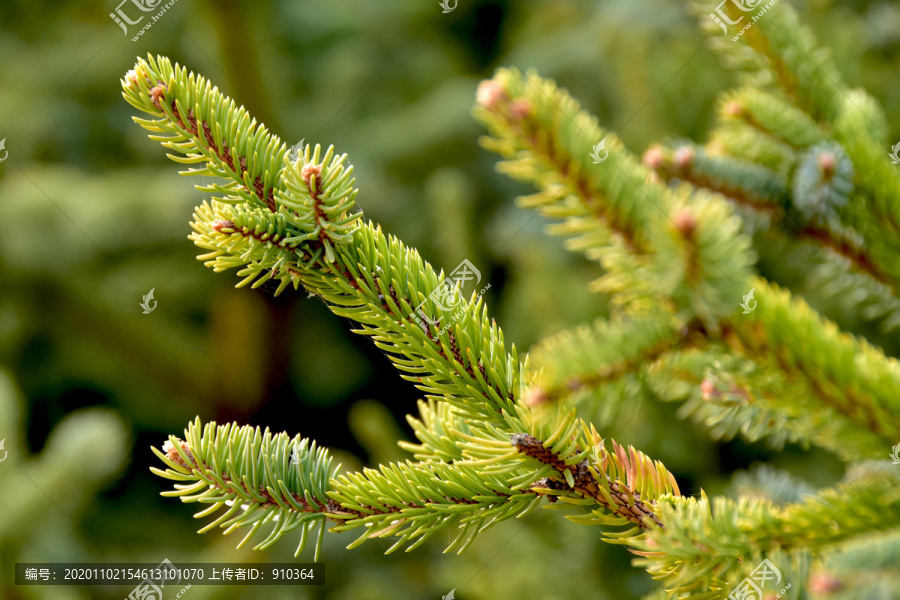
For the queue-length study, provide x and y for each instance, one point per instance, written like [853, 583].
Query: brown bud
[218, 226]
[173, 455]
[156, 94]
[308, 171]
[707, 389]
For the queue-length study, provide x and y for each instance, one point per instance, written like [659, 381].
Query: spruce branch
[786, 53]
[864, 568]
[260, 479]
[681, 246]
[715, 535]
[845, 373]
[806, 206]
[576, 362]
[592, 481]
[790, 54]
[293, 220]
[798, 211]
[308, 235]
[742, 181]
[771, 115]
[834, 391]
[495, 437]
[732, 394]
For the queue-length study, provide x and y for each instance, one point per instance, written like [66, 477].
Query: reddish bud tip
[684, 156]
[654, 157]
[489, 93]
[733, 108]
[827, 162]
[520, 108]
[218, 226]
[308, 171]
[173, 455]
[156, 95]
[686, 222]
[824, 583]
[534, 397]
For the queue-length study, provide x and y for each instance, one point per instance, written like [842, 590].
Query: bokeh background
[93, 216]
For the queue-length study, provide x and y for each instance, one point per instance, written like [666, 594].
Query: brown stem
[625, 504]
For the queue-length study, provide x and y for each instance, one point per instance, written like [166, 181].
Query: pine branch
[494, 438]
[864, 568]
[260, 479]
[805, 71]
[801, 216]
[824, 367]
[592, 482]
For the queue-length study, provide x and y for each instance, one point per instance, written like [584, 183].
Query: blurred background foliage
[94, 216]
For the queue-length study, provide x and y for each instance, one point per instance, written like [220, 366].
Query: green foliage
[94, 221]
[253, 473]
[90, 442]
[744, 373]
[644, 234]
[675, 237]
[745, 380]
[823, 181]
[458, 359]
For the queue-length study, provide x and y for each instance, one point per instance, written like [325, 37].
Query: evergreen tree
[797, 167]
